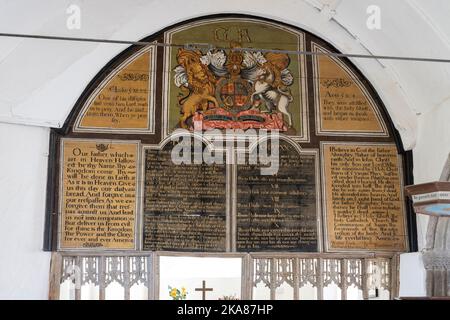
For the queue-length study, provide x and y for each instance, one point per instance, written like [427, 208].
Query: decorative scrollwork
[335, 83]
[296, 272]
[262, 272]
[378, 274]
[308, 272]
[284, 272]
[89, 270]
[133, 76]
[67, 264]
[385, 267]
[114, 270]
[331, 272]
[353, 273]
[138, 271]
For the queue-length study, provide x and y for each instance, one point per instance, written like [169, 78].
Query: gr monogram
[232, 34]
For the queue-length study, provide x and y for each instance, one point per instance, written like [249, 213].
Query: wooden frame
[61, 184]
[151, 101]
[355, 133]
[156, 137]
[304, 110]
[314, 152]
[328, 247]
[228, 180]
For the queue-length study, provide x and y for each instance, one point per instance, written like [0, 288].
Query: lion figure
[200, 85]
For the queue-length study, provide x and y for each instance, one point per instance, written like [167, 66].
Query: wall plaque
[338, 187]
[343, 105]
[185, 205]
[123, 102]
[363, 197]
[98, 194]
[279, 212]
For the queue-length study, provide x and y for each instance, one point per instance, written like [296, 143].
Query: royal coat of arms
[233, 90]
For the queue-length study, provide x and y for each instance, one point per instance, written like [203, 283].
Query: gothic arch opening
[333, 211]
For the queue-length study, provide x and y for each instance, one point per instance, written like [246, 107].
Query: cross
[203, 289]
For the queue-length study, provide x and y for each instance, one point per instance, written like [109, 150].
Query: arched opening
[331, 216]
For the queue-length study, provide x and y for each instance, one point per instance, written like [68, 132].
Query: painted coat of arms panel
[228, 85]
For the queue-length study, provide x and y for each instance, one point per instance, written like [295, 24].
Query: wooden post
[126, 277]
[273, 278]
[78, 263]
[155, 272]
[150, 278]
[101, 277]
[394, 279]
[56, 265]
[295, 277]
[365, 278]
[343, 279]
[247, 278]
[319, 279]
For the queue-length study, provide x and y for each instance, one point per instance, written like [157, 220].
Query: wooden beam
[56, 265]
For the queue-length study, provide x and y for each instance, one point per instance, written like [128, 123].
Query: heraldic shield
[236, 89]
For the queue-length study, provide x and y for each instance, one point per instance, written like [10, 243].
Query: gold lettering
[98, 195]
[237, 34]
[363, 197]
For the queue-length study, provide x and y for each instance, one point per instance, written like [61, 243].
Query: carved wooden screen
[79, 276]
[338, 187]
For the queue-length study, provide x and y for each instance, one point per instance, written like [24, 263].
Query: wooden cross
[203, 289]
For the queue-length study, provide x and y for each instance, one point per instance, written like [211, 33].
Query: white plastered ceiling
[40, 80]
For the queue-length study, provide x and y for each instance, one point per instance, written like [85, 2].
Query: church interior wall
[49, 94]
[24, 266]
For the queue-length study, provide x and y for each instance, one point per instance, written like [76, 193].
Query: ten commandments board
[341, 168]
[279, 212]
[185, 204]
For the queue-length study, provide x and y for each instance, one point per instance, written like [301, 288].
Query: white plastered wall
[40, 82]
[24, 267]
